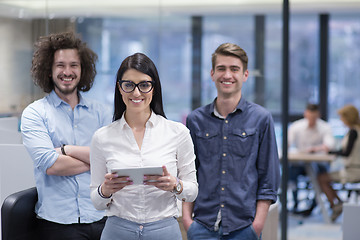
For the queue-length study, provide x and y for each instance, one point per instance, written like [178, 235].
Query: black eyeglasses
[129, 86]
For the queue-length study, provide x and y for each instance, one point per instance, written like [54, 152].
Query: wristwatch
[178, 188]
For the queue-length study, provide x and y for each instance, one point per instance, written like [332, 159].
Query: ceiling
[135, 8]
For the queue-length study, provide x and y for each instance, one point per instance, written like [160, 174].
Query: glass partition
[163, 31]
[238, 29]
[166, 42]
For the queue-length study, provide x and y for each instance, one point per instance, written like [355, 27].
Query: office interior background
[180, 36]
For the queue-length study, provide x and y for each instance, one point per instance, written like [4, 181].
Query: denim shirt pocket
[242, 141]
[207, 143]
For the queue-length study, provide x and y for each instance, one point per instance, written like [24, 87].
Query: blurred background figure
[350, 153]
[309, 134]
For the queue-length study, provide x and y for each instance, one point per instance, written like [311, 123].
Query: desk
[308, 158]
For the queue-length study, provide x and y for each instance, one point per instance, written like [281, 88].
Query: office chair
[18, 218]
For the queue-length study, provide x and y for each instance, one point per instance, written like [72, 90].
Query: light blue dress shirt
[47, 124]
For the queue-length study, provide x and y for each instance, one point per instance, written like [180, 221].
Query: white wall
[9, 124]
[15, 62]
[16, 170]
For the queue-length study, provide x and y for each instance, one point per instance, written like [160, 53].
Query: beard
[65, 90]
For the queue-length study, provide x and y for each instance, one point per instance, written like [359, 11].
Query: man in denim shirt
[57, 131]
[237, 161]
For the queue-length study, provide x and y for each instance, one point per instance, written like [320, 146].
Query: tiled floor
[314, 226]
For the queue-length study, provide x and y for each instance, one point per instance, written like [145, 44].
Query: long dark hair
[141, 63]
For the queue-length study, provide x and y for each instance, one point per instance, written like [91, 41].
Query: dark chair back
[18, 218]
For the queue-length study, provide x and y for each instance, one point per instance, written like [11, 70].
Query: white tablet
[137, 174]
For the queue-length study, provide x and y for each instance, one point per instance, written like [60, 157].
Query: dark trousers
[82, 231]
[295, 170]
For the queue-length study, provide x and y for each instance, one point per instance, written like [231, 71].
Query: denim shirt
[46, 124]
[237, 164]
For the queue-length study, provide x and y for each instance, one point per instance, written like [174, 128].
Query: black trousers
[79, 231]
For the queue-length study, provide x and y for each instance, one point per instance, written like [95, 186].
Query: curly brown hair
[43, 59]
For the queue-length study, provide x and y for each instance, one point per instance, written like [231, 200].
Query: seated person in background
[350, 152]
[309, 134]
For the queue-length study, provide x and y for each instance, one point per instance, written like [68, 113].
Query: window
[222, 29]
[166, 41]
[344, 58]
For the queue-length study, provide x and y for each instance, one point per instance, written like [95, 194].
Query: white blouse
[165, 143]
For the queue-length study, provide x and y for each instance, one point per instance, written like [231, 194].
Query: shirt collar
[316, 126]
[57, 100]
[82, 101]
[241, 106]
[153, 120]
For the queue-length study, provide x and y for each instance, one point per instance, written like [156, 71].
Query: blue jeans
[199, 232]
[122, 229]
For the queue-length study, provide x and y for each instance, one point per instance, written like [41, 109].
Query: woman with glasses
[141, 136]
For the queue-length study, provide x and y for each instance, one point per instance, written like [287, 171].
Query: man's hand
[187, 222]
[262, 209]
[76, 161]
[187, 211]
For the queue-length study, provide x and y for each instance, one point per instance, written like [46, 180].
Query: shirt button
[141, 227]
[223, 172]
[243, 133]
[222, 189]
[222, 205]
[226, 121]
[207, 134]
[224, 154]
[225, 137]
